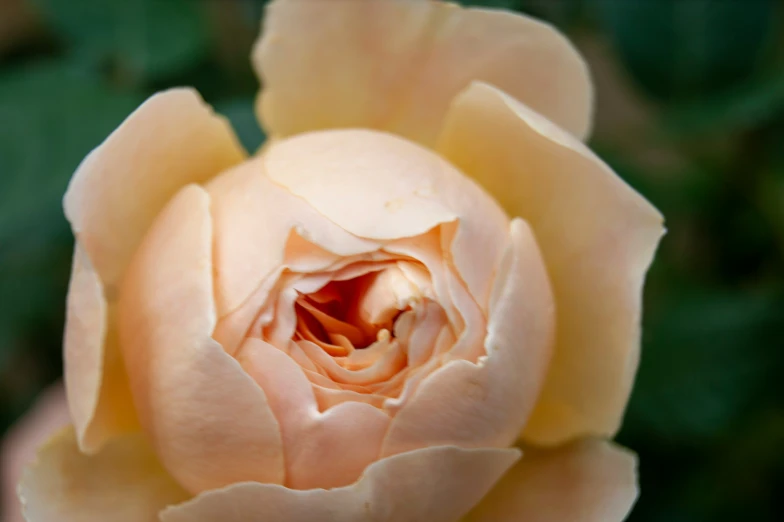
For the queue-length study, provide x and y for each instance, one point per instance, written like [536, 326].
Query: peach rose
[423, 266]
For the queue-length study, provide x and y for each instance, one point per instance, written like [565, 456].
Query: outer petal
[430, 485]
[95, 379]
[209, 422]
[396, 65]
[171, 140]
[585, 481]
[122, 483]
[379, 186]
[20, 443]
[597, 236]
[487, 404]
[323, 449]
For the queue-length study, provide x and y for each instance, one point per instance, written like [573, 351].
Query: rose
[347, 326]
[49, 413]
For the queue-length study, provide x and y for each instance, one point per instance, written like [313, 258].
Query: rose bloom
[423, 267]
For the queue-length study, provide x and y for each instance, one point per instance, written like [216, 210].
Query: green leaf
[739, 108]
[241, 114]
[495, 4]
[707, 358]
[147, 40]
[677, 48]
[52, 115]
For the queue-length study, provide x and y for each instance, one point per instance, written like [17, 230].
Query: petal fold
[396, 65]
[123, 482]
[597, 236]
[487, 404]
[583, 481]
[379, 186]
[209, 421]
[170, 140]
[430, 485]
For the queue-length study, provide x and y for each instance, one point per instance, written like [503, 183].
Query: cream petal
[95, 381]
[126, 181]
[395, 66]
[437, 484]
[382, 187]
[208, 420]
[123, 482]
[121, 186]
[597, 235]
[20, 443]
[247, 204]
[323, 450]
[486, 404]
[584, 481]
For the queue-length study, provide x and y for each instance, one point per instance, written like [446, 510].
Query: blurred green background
[690, 112]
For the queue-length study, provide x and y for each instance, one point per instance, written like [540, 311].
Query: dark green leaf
[52, 115]
[740, 108]
[240, 113]
[145, 39]
[688, 48]
[706, 359]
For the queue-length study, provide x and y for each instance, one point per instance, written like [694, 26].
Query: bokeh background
[690, 112]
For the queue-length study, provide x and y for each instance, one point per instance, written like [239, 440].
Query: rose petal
[123, 482]
[111, 201]
[381, 187]
[209, 422]
[597, 236]
[21, 441]
[585, 481]
[171, 140]
[323, 450]
[396, 66]
[95, 381]
[247, 204]
[486, 404]
[429, 485]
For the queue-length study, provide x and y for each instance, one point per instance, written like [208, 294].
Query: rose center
[354, 313]
[340, 314]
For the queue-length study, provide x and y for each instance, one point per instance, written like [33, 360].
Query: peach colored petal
[323, 450]
[428, 485]
[21, 441]
[97, 387]
[597, 235]
[123, 482]
[327, 397]
[231, 329]
[209, 422]
[382, 187]
[396, 66]
[388, 293]
[426, 250]
[389, 362]
[486, 404]
[254, 219]
[584, 481]
[429, 320]
[332, 325]
[171, 140]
